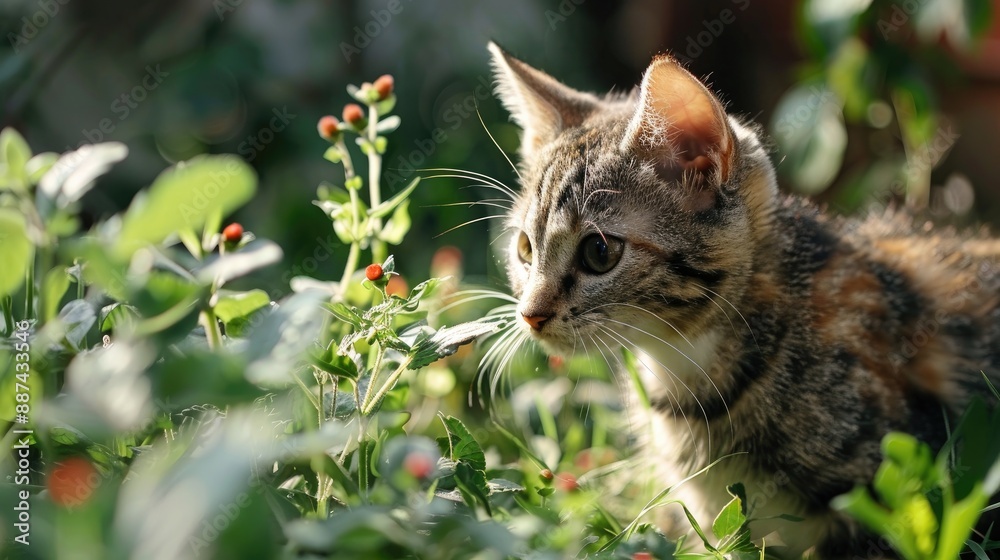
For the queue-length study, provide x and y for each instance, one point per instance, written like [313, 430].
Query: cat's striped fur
[765, 327]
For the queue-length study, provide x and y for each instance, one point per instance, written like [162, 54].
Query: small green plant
[927, 508]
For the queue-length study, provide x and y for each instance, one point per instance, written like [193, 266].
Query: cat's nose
[536, 321]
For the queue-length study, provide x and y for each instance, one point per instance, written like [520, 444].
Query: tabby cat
[764, 328]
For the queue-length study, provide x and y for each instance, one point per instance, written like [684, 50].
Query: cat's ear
[539, 104]
[680, 125]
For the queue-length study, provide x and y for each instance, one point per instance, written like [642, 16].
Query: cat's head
[637, 213]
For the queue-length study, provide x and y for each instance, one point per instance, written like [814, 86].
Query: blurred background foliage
[866, 100]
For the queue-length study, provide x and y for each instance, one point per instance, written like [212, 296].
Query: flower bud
[354, 115]
[328, 127]
[383, 85]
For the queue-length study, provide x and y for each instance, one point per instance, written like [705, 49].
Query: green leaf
[446, 341]
[117, 316]
[54, 286]
[279, 343]
[500, 486]
[39, 165]
[76, 318]
[14, 156]
[733, 516]
[388, 124]
[398, 225]
[385, 106]
[101, 268]
[333, 154]
[16, 249]
[200, 377]
[809, 128]
[191, 242]
[462, 446]
[383, 210]
[183, 197]
[472, 484]
[347, 313]
[349, 364]
[75, 172]
[234, 305]
[223, 268]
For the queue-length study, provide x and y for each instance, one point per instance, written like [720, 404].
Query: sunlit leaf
[75, 172]
[257, 254]
[54, 286]
[14, 156]
[184, 196]
[446, 341]
[233, 305]
[16, 249]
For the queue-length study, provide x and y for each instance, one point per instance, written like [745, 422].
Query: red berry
[328, 127]
[419, 465]
[353, 114]
[567, 483]
[642, 556]
[373, 272]
[72, 482]
[232, 233]
[383, 85]
[546, 474]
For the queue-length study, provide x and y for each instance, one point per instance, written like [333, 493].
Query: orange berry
[642, 556]
[383, 85]
[373, 272]
[353, 114]
[546, 474]
[397, 286]
[232, 233]
[328, 127]
[72, 482]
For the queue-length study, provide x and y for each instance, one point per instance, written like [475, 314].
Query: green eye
[524, 248]
[600, 253]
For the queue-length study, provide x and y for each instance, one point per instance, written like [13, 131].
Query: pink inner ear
[696, 130]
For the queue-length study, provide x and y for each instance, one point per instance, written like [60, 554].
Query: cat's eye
[600, 253]
[524, 248]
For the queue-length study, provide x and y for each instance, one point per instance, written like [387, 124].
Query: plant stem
[352, 264]
[389, 383]
[379, 354]
[212, 332]
[322, 486]
[379, 250]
